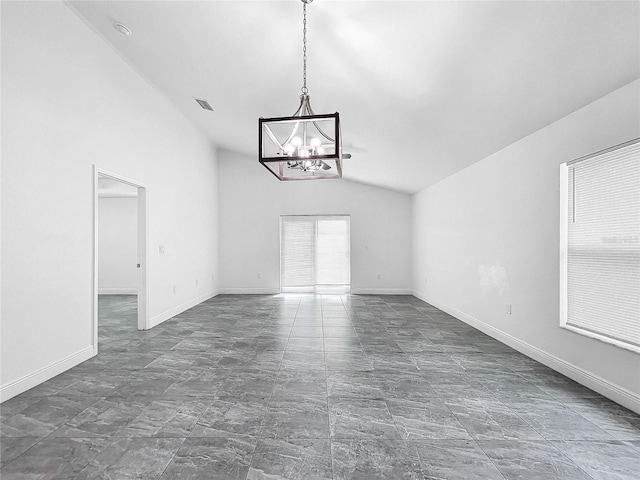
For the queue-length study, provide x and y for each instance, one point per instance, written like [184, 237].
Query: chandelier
[304, 146]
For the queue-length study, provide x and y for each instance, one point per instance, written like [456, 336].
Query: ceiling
[110, 187]
[423, 88]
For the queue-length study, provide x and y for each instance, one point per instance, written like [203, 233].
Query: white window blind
[600, 251]
[297, 253]
[314, 254]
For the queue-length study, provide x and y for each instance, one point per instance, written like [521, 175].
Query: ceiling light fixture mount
[123, 29]
[304, 146]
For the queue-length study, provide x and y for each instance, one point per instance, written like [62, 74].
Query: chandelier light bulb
[296, 141]
[315, 142]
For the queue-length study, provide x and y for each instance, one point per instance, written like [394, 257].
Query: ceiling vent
[204, 104]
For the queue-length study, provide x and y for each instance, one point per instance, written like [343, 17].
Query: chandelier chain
[304, 89]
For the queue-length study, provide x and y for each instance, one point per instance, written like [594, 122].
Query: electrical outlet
[160, 248]
[508, 308]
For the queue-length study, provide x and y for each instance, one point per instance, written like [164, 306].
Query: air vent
[204, 104]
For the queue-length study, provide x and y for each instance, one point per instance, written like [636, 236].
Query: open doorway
[120, 256]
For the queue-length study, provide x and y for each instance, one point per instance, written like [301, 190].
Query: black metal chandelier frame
[298, 147]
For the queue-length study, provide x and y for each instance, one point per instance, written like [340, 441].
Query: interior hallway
[311, 387]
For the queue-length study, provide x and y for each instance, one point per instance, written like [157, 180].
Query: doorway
[120, 254]
[315, 254]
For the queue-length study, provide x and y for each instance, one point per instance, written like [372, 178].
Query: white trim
[117, 195]
[143, 258]
[618, 394]
[564, 220]
[604, 151]
[33, 379]
[117, 291]
[94, 266]
[119, 178]
[172, 312]
[602, 338]
[354, 291]
[249, 291]
[380, 291]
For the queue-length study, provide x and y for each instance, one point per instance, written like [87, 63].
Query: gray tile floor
[311, 387]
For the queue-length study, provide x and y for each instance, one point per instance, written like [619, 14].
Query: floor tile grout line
[326, 379]
[395, 423]
[268, 402]
[172, 458]
[14, 459]
[490, 460]
[550, 442]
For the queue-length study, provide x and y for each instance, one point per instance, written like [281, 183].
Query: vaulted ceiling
[423, 88]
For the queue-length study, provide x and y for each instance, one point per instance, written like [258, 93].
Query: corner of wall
[623, 396]
[177, 310]
[45, 373]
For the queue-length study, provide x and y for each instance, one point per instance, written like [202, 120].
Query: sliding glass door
[314, 254]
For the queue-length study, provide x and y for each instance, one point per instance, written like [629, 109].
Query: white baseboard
[26, 382]
[381, 291]
[249, 291]
[158, 319]
[618, 394]
[117, 291]
[355, 291]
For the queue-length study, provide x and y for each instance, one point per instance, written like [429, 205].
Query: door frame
[143, 249]
[316, 218]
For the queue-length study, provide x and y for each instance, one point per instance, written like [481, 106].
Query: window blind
[297, 254]
[602, 246]
[332, 255]
[314, 254]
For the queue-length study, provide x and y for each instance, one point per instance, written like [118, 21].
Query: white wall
[489, 235]
[117, 245]
[68, 102]
[252, 200]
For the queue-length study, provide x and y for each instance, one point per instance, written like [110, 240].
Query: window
[600, 245]
[314, 254]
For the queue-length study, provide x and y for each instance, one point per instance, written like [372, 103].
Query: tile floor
[306, 387]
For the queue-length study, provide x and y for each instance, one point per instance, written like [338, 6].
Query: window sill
[603, 338]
